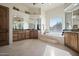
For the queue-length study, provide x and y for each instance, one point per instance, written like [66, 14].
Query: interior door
[4, 25]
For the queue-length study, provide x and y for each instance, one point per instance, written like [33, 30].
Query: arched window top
[55, 20]
[56, 24]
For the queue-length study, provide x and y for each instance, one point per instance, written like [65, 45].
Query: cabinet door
[15, 36]
[27, 36]
[73, 42]
[31, 34]
[35, 36]
[67, 39]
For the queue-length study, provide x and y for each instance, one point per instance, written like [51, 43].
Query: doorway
[4, 25]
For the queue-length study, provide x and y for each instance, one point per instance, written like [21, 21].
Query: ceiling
[45, 6]
[37, 8]
[71, 7]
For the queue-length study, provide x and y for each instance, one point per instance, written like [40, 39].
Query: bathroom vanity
[71, 39]
[25, 34]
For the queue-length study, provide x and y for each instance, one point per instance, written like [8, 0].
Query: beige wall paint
[43, 21]
[58, 11]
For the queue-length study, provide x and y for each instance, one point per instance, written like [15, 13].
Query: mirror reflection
[26, 21]
[18, 23]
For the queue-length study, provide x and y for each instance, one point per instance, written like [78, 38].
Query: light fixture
[37, 3]
[34, 3]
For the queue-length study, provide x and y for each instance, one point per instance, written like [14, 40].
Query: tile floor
[33, 47]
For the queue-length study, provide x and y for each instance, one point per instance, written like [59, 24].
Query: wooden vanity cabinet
[74, 38]
[71, 40]
[25, 34]
[15, 36]
[67, 39]
[33, 34]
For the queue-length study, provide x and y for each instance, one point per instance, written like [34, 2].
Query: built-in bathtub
[56, 35]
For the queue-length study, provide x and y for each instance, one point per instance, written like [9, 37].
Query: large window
[56, 24]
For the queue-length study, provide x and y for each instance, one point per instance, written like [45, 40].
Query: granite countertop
[71, 30]
[23, 29]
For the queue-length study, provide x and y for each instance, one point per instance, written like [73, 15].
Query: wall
[58, 11]
[75, 17]
[43, 21]
[71, 14]
[10, 6]
[68, 20]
